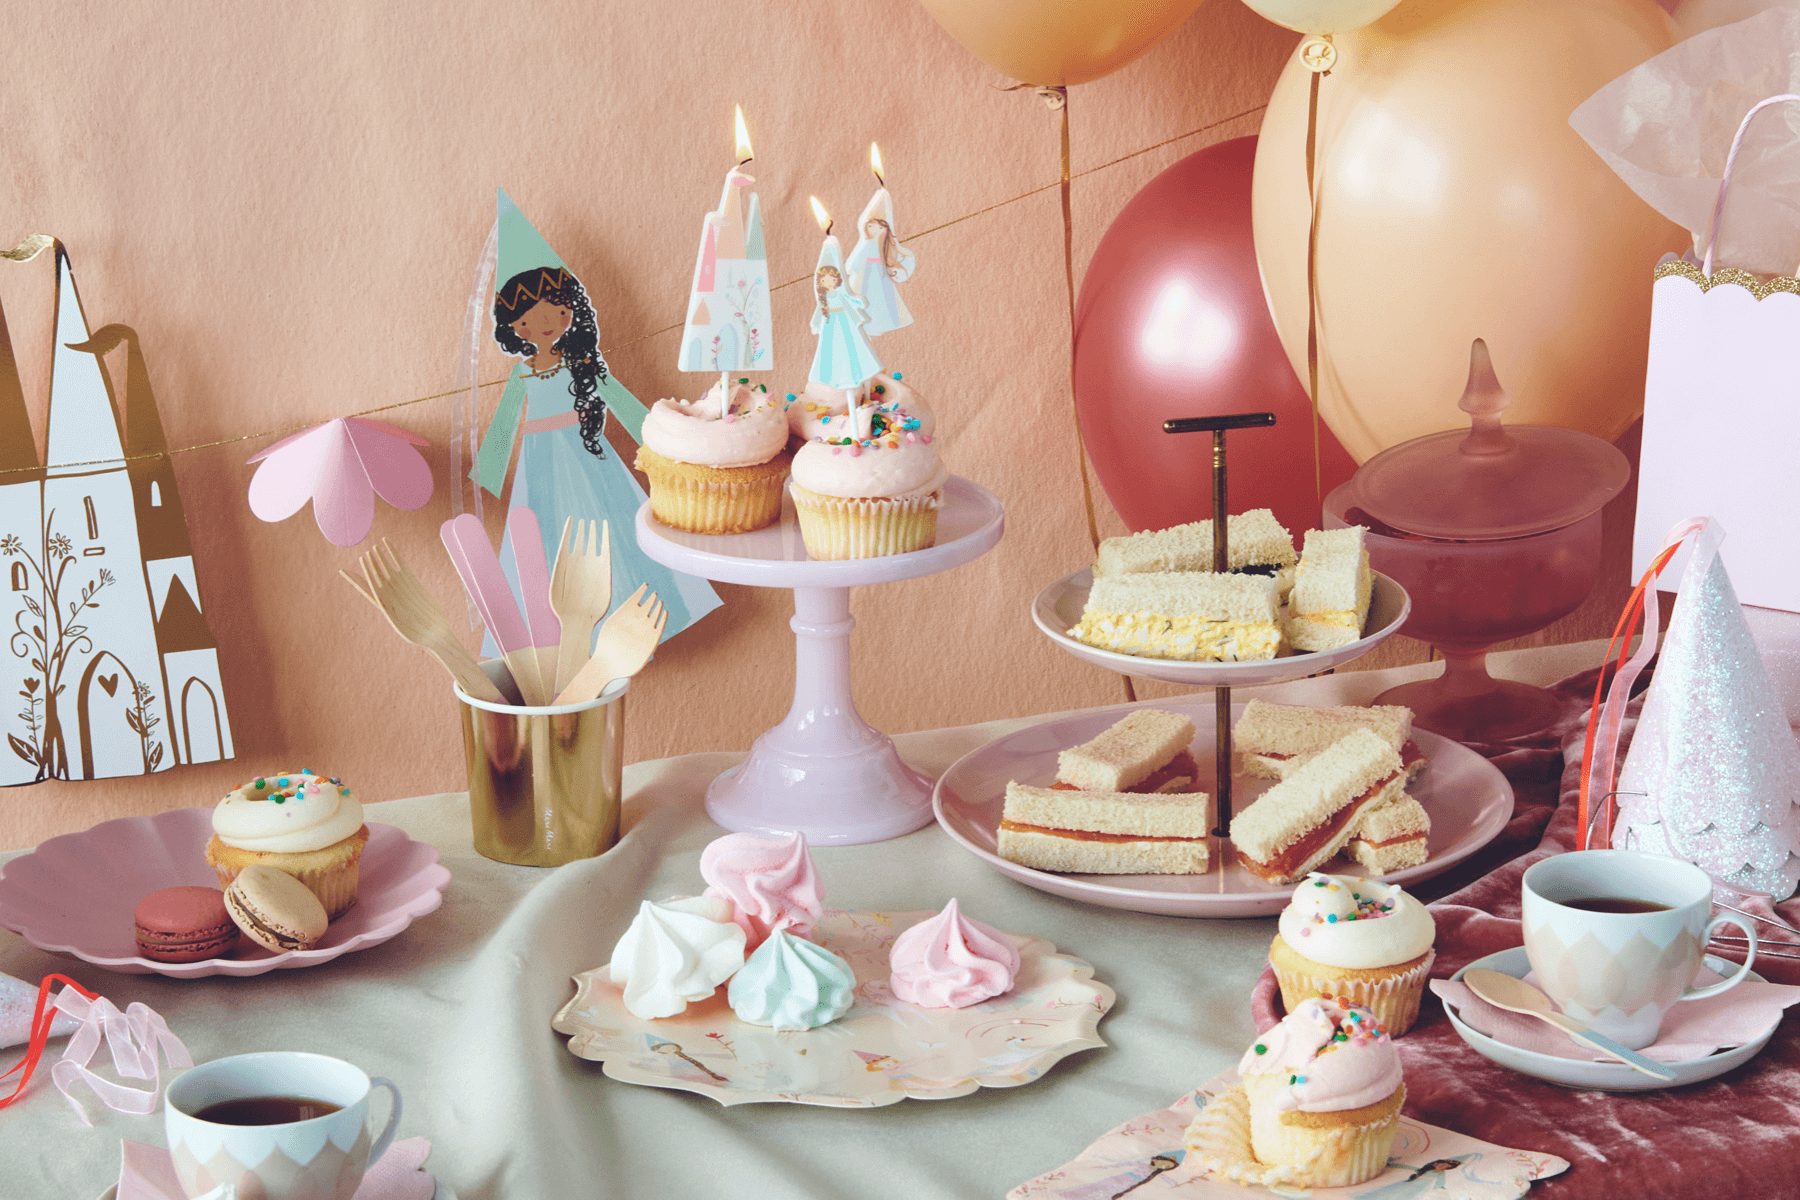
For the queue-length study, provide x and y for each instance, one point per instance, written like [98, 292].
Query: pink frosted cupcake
[950, 961]
[869, 493]
[770, 882]
[1318, 1105]
[714, 469]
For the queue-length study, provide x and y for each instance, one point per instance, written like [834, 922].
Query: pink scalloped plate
[75, 894]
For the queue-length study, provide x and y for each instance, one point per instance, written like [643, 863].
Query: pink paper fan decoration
[341, 466]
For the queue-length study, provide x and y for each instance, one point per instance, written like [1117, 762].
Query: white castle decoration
[110, 668]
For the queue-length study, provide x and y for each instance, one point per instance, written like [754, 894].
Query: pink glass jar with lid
[1495, 533]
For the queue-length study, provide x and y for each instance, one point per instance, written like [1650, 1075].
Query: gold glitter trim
[1756, 285]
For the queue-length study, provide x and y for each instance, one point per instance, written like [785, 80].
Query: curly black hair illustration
[579, 345]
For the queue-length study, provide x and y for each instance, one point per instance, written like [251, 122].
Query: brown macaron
[274, 909]
[183, 925]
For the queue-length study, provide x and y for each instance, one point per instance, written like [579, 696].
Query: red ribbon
[42, 1017]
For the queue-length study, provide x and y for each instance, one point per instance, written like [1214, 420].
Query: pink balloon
[1171, 322]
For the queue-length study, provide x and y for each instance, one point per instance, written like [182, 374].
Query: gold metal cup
[544, 783]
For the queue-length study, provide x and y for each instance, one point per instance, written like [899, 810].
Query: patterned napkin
[146, 1173]
[1692, 1029]
[1144, 1158]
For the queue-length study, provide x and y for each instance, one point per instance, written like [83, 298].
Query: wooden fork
[626, 642]
[580, 594]
[416, 616]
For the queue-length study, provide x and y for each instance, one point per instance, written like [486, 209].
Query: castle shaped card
[727, 325]
[110, 667]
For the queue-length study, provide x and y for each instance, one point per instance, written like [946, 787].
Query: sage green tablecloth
[457, 1011]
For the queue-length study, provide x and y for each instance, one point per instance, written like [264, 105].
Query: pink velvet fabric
[1734, 1136]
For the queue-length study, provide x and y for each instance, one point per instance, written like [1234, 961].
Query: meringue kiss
[770, 882]
[950, 961]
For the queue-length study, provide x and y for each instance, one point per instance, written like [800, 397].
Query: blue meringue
[790, 983]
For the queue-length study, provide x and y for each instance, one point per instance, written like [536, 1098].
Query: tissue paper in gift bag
[1721, 399]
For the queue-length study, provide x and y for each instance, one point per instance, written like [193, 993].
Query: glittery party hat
[1713, 757]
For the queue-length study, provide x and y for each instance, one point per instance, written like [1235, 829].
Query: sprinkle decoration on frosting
[770, 883]
[1356, 923]
[950, 961]
[823, 413]
[1334, 1056]
[676, 952]
[790, 983]
[287, 813]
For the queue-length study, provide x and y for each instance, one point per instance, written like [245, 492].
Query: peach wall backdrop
[286, 202]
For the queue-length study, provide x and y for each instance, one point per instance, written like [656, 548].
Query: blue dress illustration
[554, 406]
[844, 358]
[877, 263]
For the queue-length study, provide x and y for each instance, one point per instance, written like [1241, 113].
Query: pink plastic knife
[533, 574]
[479, 567]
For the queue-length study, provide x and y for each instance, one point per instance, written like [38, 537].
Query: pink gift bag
[1722, 412]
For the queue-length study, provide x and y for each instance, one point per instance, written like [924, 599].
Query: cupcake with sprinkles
[1318, 1104]
[306, 825]
[1359, 940]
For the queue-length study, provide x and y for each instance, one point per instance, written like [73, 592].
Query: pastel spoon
[1515, 995]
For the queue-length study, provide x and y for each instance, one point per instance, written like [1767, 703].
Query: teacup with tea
[1616, 938]
[284, 1125]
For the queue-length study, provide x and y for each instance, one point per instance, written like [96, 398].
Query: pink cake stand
[824, 770]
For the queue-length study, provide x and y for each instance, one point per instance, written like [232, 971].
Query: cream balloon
[1322, 16]
[1455, 202]
[1048, 43]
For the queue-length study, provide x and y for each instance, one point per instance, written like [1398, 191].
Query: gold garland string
[37, 241]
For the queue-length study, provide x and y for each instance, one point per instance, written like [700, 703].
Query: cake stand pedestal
[823, 771]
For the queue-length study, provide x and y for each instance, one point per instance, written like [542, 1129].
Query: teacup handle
[393, 1122]
[1723, 985]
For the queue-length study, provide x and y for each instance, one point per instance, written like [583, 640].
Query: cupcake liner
[1230, 1131]
[1394, 1000]
[331, 874]
[714, 505]
[836, 527]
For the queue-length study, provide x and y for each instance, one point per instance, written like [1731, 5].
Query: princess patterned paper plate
[878, 1053]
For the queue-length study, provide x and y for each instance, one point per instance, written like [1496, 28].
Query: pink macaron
[184, 924]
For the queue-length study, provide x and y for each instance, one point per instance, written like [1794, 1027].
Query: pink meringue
[951, 961]
[770, 882]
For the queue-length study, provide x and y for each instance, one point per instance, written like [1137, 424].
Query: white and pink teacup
[1615, 937]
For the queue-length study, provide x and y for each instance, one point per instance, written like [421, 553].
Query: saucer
[1600, 1076]
[442, 1192]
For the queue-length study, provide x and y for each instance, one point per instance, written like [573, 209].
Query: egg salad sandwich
[1256, 544]
[1272, 740]
[1330, 601]
[1186, 615]
[1310, 816]
[1147, 751]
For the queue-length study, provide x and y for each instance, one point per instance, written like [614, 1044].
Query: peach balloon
[1055, 42]
[1455, 203]
[1321, 16]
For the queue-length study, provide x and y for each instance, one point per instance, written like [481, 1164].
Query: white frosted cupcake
[716, 470]
[1358, 940]
[298, 823]
[868, 496]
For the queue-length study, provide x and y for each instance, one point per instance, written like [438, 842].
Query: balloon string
[1061, 103]
[1312, 288]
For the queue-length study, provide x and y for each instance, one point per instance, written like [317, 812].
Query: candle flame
[820, 215]
[875, 163]
[743, 139]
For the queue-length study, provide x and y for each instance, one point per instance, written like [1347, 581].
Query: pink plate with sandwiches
[75, 894]
[1466, 797]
